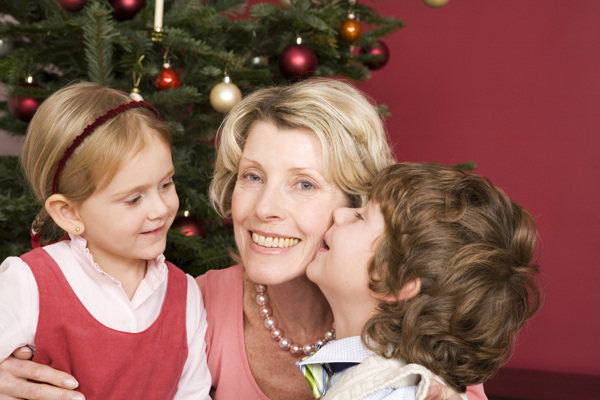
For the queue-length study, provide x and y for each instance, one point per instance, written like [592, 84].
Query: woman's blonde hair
[472, 248]
[350, 130]
[63, 116]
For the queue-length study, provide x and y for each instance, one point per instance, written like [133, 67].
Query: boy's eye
[134, 201]
[358, 215]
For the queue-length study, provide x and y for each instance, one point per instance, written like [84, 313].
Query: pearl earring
[77, 229]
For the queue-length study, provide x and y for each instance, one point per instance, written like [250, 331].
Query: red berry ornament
[188, 225]
[168, 78]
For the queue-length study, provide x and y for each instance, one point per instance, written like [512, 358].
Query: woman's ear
[64, 213]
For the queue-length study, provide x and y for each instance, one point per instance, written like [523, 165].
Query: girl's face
[127, 221]
[282, 203]
[340, 268]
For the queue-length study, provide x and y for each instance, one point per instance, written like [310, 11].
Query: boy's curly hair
[471, 247]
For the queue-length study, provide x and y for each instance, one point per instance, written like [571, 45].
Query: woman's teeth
[268, 241]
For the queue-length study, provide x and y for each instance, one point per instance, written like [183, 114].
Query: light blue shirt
[352, 350]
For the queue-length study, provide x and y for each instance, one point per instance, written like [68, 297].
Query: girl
[101, 166]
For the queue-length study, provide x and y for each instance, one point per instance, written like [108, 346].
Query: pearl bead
[265, 311]
[320, 343]
[261, 288]
[296, 350]
[329, 335]
[270, 323]
[284, 343]
[262, 299]
[308, 349]
[276, 333]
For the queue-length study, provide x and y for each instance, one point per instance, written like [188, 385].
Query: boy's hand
[437, 391]
[50, 384]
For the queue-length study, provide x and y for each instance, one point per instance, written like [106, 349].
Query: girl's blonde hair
[350, 130]
[62, 117]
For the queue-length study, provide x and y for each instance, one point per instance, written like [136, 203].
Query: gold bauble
[224, 96]
[436, 3]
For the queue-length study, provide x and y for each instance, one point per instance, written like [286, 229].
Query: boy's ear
[64, 213]
[410, 290]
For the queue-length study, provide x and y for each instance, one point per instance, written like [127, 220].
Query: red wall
[515, 86]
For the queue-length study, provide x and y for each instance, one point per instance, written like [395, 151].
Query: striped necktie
[317, 376]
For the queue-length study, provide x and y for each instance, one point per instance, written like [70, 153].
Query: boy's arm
[195, 381]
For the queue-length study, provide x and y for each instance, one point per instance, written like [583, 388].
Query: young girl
[101, 166]
[433, 276]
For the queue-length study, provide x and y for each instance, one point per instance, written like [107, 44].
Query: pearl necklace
[285, 344]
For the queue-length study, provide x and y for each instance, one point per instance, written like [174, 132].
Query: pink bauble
[126, 9]
[378, 49]
[23, 108]
[297, 61]
[72, 5]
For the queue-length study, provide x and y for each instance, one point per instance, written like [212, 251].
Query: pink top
[222, 291]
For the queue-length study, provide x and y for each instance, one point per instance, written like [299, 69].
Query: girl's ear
[410, 290]
[64, 213]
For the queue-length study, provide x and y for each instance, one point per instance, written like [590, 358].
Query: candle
[158, 15]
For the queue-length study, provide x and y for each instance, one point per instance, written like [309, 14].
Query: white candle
[158, 15]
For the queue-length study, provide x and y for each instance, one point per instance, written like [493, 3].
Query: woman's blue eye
[306, 185]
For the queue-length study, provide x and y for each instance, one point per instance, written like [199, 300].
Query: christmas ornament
[126, 9]
[260, 61]
[378, 49]
[168, 78]
[297, 61]
[6, 45]
[136, 95]
[286, 4]
[188, 225]
[350, 31]
[436, 3]
[23, 108]
[225, 95]
[72, 5]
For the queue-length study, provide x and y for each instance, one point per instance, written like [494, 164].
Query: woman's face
[282, 203]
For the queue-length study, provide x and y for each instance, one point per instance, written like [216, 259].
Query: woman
[288, 156]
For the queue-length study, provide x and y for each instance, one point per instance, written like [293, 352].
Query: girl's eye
[167, 185]
[358, 215]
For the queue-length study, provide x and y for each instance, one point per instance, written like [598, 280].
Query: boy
[433, 276]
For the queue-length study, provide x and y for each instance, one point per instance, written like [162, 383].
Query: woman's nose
[270, 204]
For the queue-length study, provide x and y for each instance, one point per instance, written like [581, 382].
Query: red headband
[89, 130]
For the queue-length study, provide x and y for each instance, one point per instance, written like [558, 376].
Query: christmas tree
[192, 60]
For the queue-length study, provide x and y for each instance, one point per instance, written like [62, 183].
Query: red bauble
[189, 226]
[350, 30]
[126, 9]
[297, 61]
[378, 49]
[72, 5]
[24, 107]
[168, 78]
